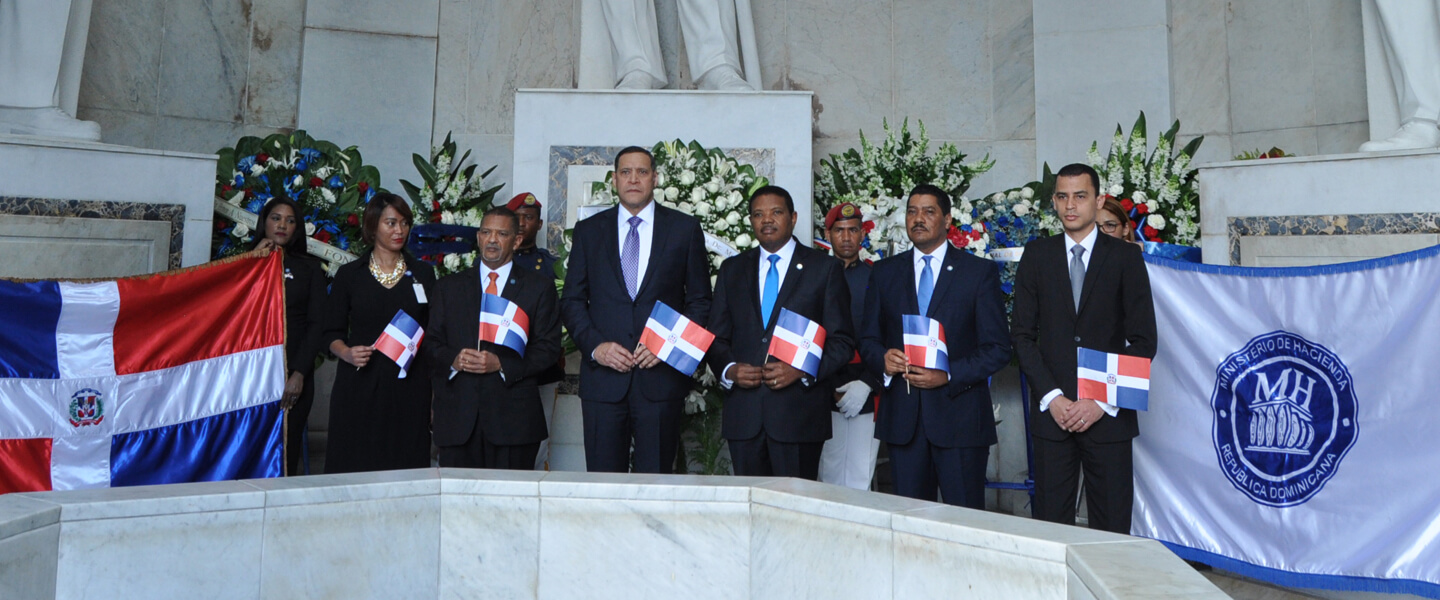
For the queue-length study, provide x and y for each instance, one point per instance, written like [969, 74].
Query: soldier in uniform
[538, 260]
[848, 457]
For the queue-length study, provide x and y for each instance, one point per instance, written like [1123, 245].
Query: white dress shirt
[503, 276]
[781, 266]
[1089, 244]
[646, 231]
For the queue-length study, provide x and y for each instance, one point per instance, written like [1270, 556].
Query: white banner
[1294, 424]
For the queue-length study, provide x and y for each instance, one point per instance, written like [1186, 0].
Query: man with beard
[938, 425]
[487, 412]
[776, 416]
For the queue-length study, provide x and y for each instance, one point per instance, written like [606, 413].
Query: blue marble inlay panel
[1383, 224]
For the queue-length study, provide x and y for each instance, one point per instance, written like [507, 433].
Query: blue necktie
[772, 289]
[630, 257]
[927, 286]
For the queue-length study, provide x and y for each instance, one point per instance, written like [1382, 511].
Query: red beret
[525, 199]
[845, 210]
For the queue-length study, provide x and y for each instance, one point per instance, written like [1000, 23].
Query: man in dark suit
[486, 411]
[622, 261]
[848, 457]
[938, 427]
[777, 417]
[1080, 289]
[530, 257]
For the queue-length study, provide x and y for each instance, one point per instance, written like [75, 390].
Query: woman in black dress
[281, 228]
[378, 420]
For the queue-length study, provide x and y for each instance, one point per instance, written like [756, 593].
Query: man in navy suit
[938, 427]
[1080, 289]
[777, 417]
[624, 260]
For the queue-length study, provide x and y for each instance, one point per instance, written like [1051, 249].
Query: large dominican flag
[925, 342]
[164, 378]
[1293, 437]
[1115, 379]
[674, 339]
[798, 342]
[503, 323]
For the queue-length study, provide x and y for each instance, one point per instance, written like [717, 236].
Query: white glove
[855, 395]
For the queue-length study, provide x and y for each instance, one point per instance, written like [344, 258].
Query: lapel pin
[949, 267]
[512, 281]
[799, 266]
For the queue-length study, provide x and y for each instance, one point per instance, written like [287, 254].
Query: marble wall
[458, 533]
[192, 76]
[1252, 74]
[1247, 74]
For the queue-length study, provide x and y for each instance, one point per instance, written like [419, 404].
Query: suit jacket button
[1077, 339]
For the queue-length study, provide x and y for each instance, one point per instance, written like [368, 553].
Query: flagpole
[285, 441]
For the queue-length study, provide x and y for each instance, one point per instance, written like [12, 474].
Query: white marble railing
[490, 534]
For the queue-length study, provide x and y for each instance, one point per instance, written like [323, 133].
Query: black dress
[377, 420]
[304, 303]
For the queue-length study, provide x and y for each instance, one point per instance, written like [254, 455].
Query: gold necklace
[387, 279]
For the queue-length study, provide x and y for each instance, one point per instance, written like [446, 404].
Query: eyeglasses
[1109, 226]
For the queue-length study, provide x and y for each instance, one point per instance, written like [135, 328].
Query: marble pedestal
[452, 533]
[566, 138]
[1318, 209]
[80, 209]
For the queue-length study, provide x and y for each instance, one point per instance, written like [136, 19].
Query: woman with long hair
[379, 416]
[1114, 222]
[282, 229]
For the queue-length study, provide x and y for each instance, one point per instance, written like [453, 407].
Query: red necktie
[490, 287]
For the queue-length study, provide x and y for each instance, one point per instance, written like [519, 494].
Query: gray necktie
[630, 257]
[1077, 273]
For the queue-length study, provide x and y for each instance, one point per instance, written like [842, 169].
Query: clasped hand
[615, 356]
[1075, 415]
[475, 361]
[774, 375]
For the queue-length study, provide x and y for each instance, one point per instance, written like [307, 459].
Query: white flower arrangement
[452, 194]
[878, 180]
[1158, 188]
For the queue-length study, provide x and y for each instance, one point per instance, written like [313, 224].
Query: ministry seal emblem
[1284, 418]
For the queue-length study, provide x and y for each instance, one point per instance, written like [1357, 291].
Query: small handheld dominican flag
[400, 340]
[503, 323]
[1114, 379]
[925, 343]
[674, 339]
[798, 341]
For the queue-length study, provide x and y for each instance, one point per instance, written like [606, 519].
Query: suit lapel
[659, 233]
[1092, 271]
[610, 244]
[514, 285]
[791, 281]
[912, 300]
[942, 283]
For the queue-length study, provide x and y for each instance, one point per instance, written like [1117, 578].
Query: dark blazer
[597, 308]
[508, 409]
[968, 304]
[305, 298]
[1116, 315]
[857, 279]
[815, 288]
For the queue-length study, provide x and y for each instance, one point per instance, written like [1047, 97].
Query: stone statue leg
[1412, 49]
[32, 46]
[636, 40]
[711, 43]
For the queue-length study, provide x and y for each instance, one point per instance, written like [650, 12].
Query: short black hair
[502, 211]
[633, 150]
[771, 190]
[1076, 169]
[926, 189]
[377, 205]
